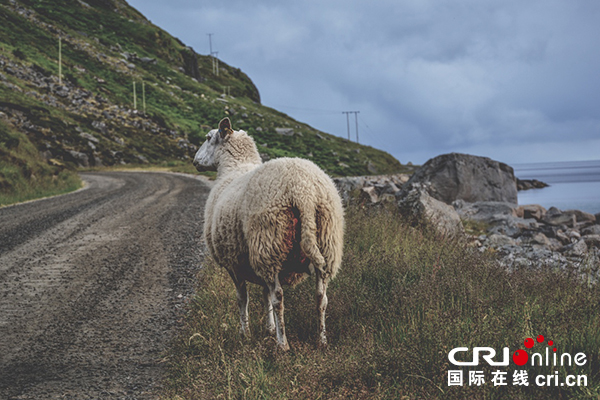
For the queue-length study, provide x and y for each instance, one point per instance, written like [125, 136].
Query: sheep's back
[271, 191]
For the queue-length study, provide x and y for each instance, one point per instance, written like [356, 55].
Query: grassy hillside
[88, 118]
[23, 175]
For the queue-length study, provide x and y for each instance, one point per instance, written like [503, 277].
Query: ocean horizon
[574, 185]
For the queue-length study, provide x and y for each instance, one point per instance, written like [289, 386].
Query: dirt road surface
[93, 283]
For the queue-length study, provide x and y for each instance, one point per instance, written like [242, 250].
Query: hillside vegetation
[88, 118]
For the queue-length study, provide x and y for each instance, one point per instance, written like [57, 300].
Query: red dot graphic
[540, 338]
[520, 357]
[550, 342]
[529, 343]
[554, 349]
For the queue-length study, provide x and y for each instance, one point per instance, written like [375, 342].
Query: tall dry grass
[404, 299]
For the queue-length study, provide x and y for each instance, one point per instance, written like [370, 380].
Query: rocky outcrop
[530, 235]
[521, 235]
[384, 187]
[465, 177]
[526, 184]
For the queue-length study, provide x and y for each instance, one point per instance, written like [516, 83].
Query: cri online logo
[519, 357]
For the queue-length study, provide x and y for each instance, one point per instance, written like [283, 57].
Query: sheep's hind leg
[270, 322]
[321, 299]
[242, 300]
[276, 297]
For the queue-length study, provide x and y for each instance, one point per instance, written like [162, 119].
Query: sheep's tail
[308, 242]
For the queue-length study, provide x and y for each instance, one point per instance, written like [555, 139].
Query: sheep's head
[226, 149]
[206, 158]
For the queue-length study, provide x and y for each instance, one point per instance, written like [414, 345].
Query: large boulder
[418, 204]
[457, 176]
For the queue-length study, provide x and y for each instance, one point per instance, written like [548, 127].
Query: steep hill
[91, 117]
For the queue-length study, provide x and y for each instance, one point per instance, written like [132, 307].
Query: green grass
[404, 299]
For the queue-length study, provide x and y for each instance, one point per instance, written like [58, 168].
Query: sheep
[270, 224]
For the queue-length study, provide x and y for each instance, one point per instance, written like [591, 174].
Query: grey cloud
[428, 76]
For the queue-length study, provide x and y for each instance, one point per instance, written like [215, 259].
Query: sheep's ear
[225, 127]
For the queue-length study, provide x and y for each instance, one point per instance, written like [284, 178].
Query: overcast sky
[517, 81]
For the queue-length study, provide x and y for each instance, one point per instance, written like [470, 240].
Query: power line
[313, 110]
[355, 121]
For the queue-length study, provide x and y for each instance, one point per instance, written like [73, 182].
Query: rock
[483, 210]
[100, 126]
[81, 159]
[89, 137]
[285, 131]
[560, 235]
[582, 216]
[592, 240]
[570, 218]
[556, 217]
[371, 167]
[526, 184]
[510, 225]
[418, 204]
[470, 178]
[578, 248]
[370, 193]
[498, 240]
[531, 211]
[540, 239]
[591, 230]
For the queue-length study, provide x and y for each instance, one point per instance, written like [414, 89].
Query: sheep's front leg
[242, 300]
[276, 297]
[321, 298]
[270, 322]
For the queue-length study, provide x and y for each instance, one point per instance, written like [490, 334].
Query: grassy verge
[185, 167]
[404, 299]
[51, 185]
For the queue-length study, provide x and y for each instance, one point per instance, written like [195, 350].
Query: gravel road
[93, 283]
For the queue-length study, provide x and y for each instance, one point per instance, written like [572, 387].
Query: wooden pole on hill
[59, 60]
[144, 95]
[134, 97]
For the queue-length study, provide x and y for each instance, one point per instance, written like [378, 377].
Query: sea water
[574, 185]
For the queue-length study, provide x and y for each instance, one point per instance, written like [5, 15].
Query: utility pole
[215, 63]
[144, 96]
[134, 97]
[59, 60]
[356, 122]
[213, 54]
[348, 122]
[210, 41]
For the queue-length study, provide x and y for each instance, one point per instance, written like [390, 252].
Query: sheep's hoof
[283, 347]
[270, 331]
[245, 333]
[322, 344]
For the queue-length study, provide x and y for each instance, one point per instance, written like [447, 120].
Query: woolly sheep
[270, 224]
